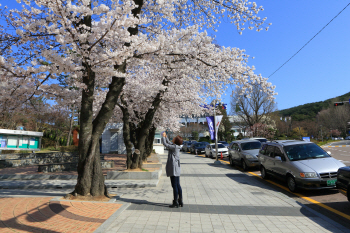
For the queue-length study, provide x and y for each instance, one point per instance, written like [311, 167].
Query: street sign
[338, 103]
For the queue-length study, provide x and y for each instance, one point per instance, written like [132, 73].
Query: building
[237, 126]
[112, 139]
[20, 140]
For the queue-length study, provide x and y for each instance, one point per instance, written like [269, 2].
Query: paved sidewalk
[216, 199]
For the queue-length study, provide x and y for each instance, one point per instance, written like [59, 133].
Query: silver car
[210, 150]
[244, 153]
[301, 164]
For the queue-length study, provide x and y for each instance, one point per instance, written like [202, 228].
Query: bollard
[222, 157]
[196, 152]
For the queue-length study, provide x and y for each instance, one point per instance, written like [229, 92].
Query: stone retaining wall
[18, 160]
[69, 166]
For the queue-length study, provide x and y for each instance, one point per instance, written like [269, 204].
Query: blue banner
[210, 121]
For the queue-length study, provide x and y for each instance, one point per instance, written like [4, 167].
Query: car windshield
[304, 151]
[251, 145]
[221, 146]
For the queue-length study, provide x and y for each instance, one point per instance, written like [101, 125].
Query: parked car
[210, 150]
[262, 140]
[198, 147]
[301, 164]
[244, 153]
[347, 138]
[343, 181]
[186, 146]
[224, 143]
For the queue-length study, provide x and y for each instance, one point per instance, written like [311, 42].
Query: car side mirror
[278, 158]
[328, 152]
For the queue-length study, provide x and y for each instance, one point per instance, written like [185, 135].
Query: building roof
[21, 132]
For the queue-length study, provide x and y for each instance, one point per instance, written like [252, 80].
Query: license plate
[331, 182]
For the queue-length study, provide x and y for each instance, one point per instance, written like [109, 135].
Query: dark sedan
[198, 147]
[224, 143]
[343, 181]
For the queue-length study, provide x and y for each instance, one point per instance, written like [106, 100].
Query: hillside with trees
[309, 111]
[317, 120]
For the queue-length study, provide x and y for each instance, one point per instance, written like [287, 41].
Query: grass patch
[320, 143]
[145, 170]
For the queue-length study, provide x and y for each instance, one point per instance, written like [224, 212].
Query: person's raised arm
[166, 143]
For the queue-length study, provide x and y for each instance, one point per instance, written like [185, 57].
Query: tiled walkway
[216, 199]
[41, 214]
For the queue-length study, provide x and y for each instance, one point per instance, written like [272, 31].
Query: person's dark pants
[175, 183]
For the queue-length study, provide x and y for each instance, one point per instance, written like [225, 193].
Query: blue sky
[319, 72]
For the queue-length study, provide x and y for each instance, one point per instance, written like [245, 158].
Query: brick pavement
[42, 214]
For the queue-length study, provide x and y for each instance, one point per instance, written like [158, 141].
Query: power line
[309, 40]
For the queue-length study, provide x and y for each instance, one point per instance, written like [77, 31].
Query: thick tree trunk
[90, 177]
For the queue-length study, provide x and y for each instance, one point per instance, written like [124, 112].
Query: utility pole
[216, 134]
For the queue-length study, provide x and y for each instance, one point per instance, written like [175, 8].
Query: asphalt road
[328, 202]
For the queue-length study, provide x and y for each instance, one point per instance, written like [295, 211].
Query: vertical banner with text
[210, 121]
[217, 122]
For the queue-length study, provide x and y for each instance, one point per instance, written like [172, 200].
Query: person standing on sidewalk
[172, 167]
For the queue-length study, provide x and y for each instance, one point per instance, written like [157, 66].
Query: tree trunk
[149, 141]
[141, 132]
[70, 126]
[90, 177]
[126, 134]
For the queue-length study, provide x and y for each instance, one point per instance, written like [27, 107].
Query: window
[279, 153]
[263, 149]
[234, 146]
[304, 151]
[156, 141]
[269, 151]
[251, 145]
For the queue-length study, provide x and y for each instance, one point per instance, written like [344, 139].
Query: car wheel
[211, 155]
[291, 183]
[263, 173]
[244, 166]
[231, 162]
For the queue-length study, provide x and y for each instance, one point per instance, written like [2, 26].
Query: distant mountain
[309, 111]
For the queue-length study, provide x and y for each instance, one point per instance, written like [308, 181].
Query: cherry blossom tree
[261, 130]
[98, 46]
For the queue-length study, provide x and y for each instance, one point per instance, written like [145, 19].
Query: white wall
[118, 139]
